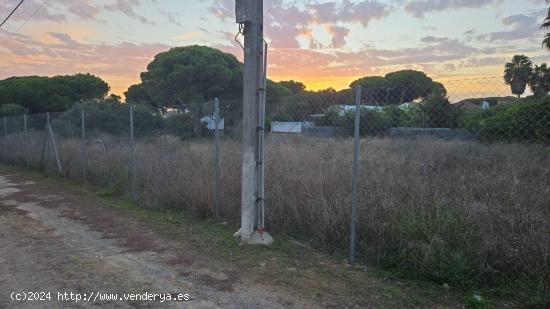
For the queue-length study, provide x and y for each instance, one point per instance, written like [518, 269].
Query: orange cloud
[119, 64]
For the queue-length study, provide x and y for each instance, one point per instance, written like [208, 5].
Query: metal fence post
[83, 143]
[8, 148]
[54, 145]
[6, 144]
[132, 155]
[25, 148]
[217, 163]
[25, 128]
[353, 228]
[45, 141]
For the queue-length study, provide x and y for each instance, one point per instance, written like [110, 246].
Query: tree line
[186, 77]
[39, 94]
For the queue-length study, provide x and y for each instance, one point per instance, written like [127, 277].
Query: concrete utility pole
[250, 15]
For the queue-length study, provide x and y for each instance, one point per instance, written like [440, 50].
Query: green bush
[182, 125]
[373, 123]
[107, 117]
[436, 112]
[9, 110]
[305, 104]
[400, 117]
[526, 121]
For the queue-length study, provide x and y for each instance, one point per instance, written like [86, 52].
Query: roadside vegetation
[290, 264]
[457, 213]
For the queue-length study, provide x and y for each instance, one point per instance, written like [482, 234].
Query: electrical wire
[241, 29]
[13, 11]
[30, 17]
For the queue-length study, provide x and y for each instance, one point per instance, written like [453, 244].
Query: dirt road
[56, 240]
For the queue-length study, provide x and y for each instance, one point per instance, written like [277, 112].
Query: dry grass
[450, 211]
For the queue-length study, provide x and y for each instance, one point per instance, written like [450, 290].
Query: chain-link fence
[448, 175]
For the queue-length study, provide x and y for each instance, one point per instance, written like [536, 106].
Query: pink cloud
[420, 8]
[339, 35]
[128, 7]
[23, 55]
[285, 23]
[62, 10]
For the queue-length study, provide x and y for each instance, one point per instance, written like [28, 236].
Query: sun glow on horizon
[316, 42]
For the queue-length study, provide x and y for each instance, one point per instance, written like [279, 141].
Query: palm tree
[546, 26]
[540, 80]
[518, 73]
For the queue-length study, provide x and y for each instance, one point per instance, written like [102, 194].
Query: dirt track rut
[54, 240]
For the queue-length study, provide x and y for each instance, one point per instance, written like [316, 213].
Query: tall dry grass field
[450, 211]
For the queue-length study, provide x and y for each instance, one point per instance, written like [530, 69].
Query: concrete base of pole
[256, 238]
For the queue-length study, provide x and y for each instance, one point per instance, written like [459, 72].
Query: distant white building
[170, 113]
[344, 109]
[406, 106]
[290, 127]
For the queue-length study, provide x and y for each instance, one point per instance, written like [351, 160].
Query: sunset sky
[322, 43]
